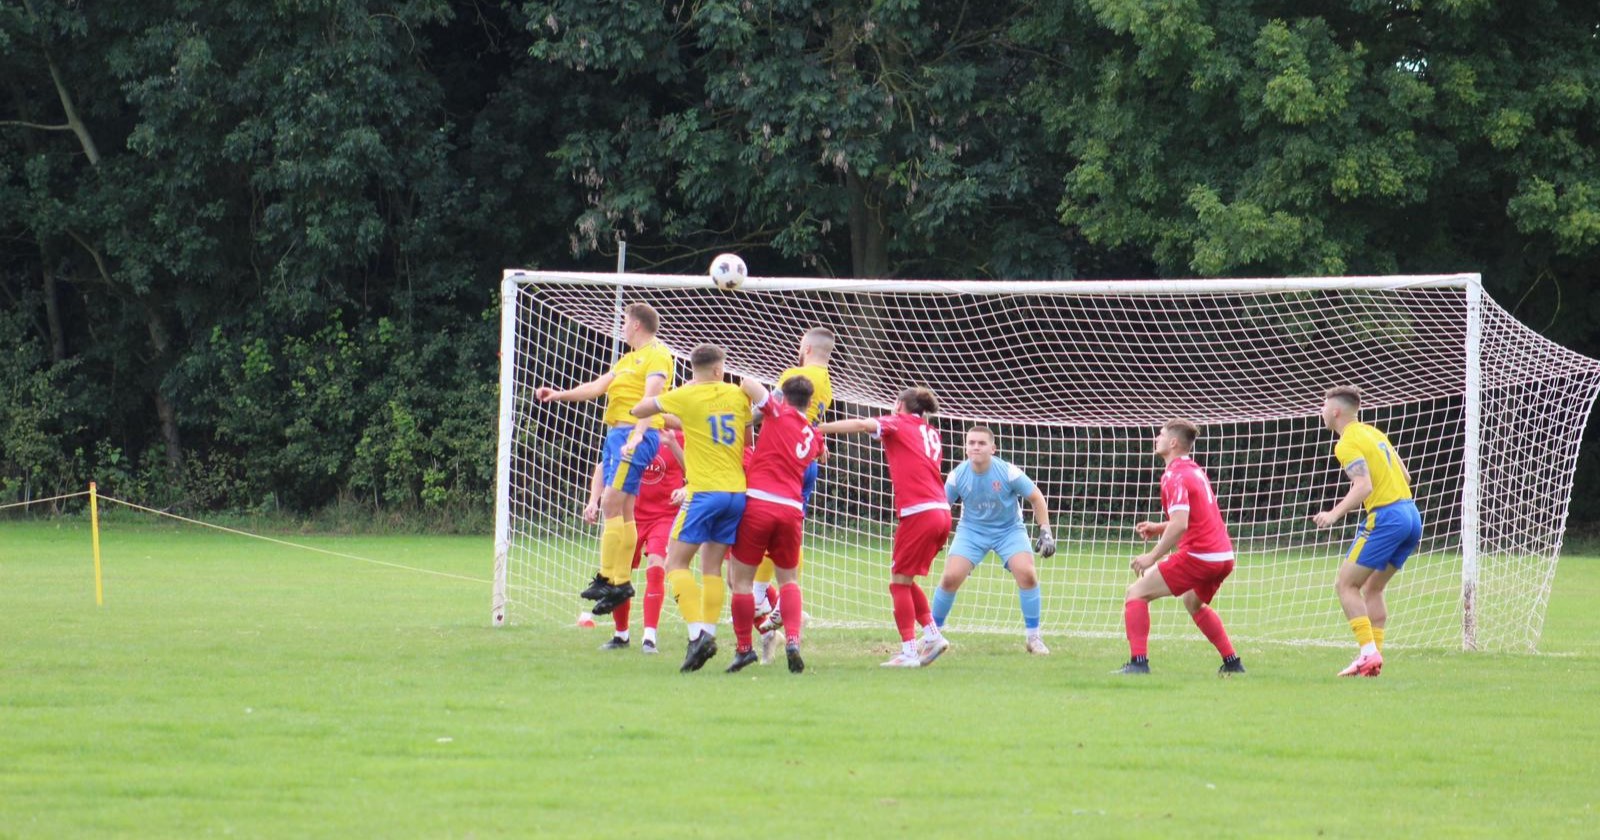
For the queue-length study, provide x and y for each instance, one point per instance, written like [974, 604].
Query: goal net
[1075, 378]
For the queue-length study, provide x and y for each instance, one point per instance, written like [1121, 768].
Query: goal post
[1075, 377]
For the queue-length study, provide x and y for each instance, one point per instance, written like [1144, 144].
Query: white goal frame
[511, 413]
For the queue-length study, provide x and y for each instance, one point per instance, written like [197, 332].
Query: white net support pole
[1471, 417]
[509, 358]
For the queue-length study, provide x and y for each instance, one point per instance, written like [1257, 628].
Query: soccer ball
[728, 272]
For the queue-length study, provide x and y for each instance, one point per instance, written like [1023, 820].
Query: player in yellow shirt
[715, 415]
[816, 349]
[1389, 533]
[642, 373]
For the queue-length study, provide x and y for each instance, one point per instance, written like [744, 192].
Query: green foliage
[38, 417]
[249, 267]
[870, 139]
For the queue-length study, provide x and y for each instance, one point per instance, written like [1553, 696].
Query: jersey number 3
[804, 446]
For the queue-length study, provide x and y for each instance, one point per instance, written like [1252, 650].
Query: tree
[866, 138]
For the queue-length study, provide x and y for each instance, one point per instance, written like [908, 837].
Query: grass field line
[312, 548]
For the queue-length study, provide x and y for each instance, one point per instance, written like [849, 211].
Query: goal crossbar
[1002, 287]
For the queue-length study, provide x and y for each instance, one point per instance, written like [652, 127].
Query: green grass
[233, 687]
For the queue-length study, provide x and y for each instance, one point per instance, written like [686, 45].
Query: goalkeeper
[988, 489]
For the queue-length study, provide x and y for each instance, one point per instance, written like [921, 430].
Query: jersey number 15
[722, 429]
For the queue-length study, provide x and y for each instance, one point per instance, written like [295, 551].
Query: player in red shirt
[911, 447]
[774, 515]
[1203, 558]
[653, 512]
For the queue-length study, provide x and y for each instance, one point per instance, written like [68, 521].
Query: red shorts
[653, 534]
[772, 530]
[1184, 573]
[918, 539]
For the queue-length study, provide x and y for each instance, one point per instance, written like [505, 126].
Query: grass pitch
[233, 687]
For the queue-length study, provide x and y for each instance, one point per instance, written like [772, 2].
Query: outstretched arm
[848, 427]
[754, 390]
[590, 390]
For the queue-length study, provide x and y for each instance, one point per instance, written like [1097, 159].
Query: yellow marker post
[94, 536]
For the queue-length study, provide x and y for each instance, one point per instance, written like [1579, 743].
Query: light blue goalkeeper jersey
[988, 499]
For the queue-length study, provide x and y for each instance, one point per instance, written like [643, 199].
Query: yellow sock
[765, 571]
[1363, 629]
[1377, 638]
[610, 536]
[685, 593]
[712, 593]
[623, 568]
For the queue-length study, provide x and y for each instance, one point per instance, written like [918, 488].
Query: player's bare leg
[1022, 570]
[1136, 619]
[1377, 609]
[1352, 579]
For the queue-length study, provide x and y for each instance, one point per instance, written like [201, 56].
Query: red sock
[920, 601]
[794, 613]
[1136, 618]
[772, 597]
[1211, 624]
[744, 618]
[655, 592]
[620, 615]
[905, 610]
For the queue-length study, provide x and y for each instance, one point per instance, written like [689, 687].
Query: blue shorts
[1387, 536]
[625, 474]
[808, 485]
[975, 544]
[709, 517]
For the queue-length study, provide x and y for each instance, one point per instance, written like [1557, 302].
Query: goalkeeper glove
[1044, 545]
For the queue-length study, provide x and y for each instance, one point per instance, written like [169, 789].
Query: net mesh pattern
[1075, 387]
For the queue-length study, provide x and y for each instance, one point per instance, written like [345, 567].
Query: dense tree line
[248, 251]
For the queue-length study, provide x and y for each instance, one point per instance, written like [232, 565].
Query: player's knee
[1026, 577]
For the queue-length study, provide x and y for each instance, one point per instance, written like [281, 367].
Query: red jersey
[911, 447]
[787, 445]
[1184, 486]
[664, 475]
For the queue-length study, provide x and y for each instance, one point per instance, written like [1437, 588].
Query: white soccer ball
[728, 272]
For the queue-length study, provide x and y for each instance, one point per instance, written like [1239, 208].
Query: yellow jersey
[629, 376]
[1362, 443]
[714, 415]
[822, 389]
